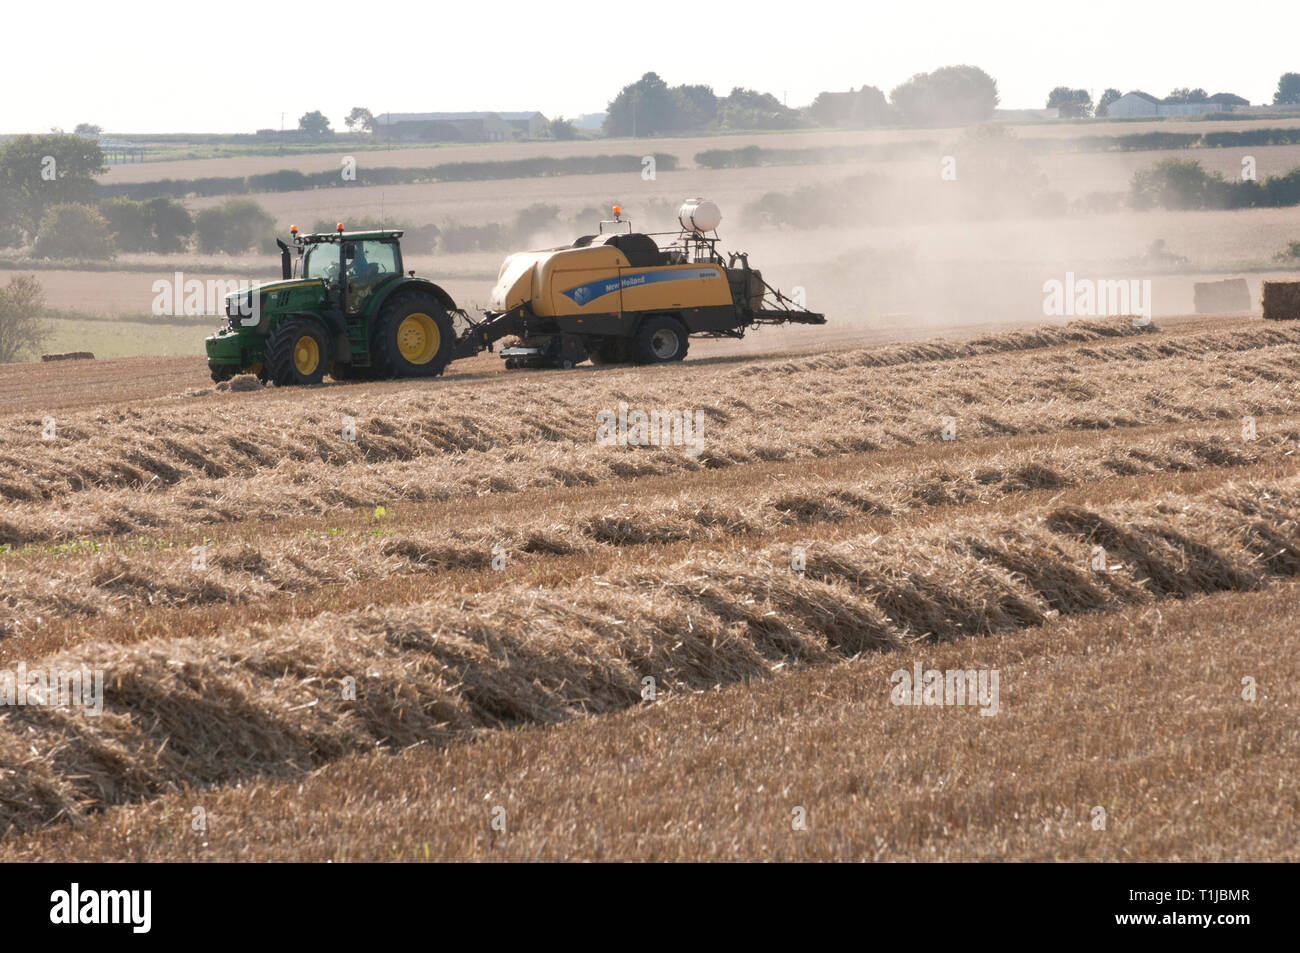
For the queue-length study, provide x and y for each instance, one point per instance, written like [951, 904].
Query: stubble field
[433, 641]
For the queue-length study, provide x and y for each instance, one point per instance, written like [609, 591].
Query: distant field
[1071, 130]
[123, 293]
[651, 204]
[1077, 174]
[412, 155]
[499, 201]
[684, 147]
[177, 148]
[111, 293]
[108, 339]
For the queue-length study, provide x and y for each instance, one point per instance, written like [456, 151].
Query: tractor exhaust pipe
[286, 260]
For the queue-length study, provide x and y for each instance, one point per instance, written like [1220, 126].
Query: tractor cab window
[322, 261]
[368, 264]
[370, 261]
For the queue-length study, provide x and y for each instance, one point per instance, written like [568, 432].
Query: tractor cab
[352, 265]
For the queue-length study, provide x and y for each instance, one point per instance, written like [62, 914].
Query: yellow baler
[619, 296]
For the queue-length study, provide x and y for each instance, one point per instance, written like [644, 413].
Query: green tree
[1073, 103]
[21, 328]
[1184, 95]
[88, 129]
[233, 227]
[128, 222]
[562, 128]
[1109, 96]
[158, 225]
[533, 219]
[696, 107]
[958, 95]
[11, 233]
[750, 109]
[37, 172]
[73, 230]
[314, 123]
[360, 118]
[831, 109]
[1288, 90]
[1180, 184]
[870, 108]
[172, 225]
[643, 108]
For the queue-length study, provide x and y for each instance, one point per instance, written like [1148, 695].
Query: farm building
[1138, 103]
[462, 127]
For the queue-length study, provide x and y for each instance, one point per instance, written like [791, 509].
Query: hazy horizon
[169, 69]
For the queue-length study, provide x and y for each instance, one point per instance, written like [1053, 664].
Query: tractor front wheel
[222, 372]
[297, 353]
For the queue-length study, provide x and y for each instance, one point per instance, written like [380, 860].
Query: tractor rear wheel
[659, 340]
[413, 337]
[297, 353]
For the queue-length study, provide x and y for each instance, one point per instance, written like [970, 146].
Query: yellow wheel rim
[306, 355]
[418, 338]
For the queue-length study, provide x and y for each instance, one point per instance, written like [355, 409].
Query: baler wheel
[660, 339]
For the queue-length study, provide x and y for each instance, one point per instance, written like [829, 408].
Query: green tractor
[344, 307]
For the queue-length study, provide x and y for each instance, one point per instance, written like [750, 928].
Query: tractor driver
[362, 276]
[357, 270]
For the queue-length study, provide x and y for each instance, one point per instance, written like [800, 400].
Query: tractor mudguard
[332, 323]
[423, 285]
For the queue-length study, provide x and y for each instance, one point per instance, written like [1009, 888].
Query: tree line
[950, 95]
[48, 200]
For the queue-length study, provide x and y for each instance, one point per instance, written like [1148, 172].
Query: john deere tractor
[343, 306]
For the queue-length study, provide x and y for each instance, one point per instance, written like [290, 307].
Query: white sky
[236, 66]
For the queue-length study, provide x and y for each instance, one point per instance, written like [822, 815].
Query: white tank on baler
[699, 216]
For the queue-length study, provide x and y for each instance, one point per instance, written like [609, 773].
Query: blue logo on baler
[585, 294]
